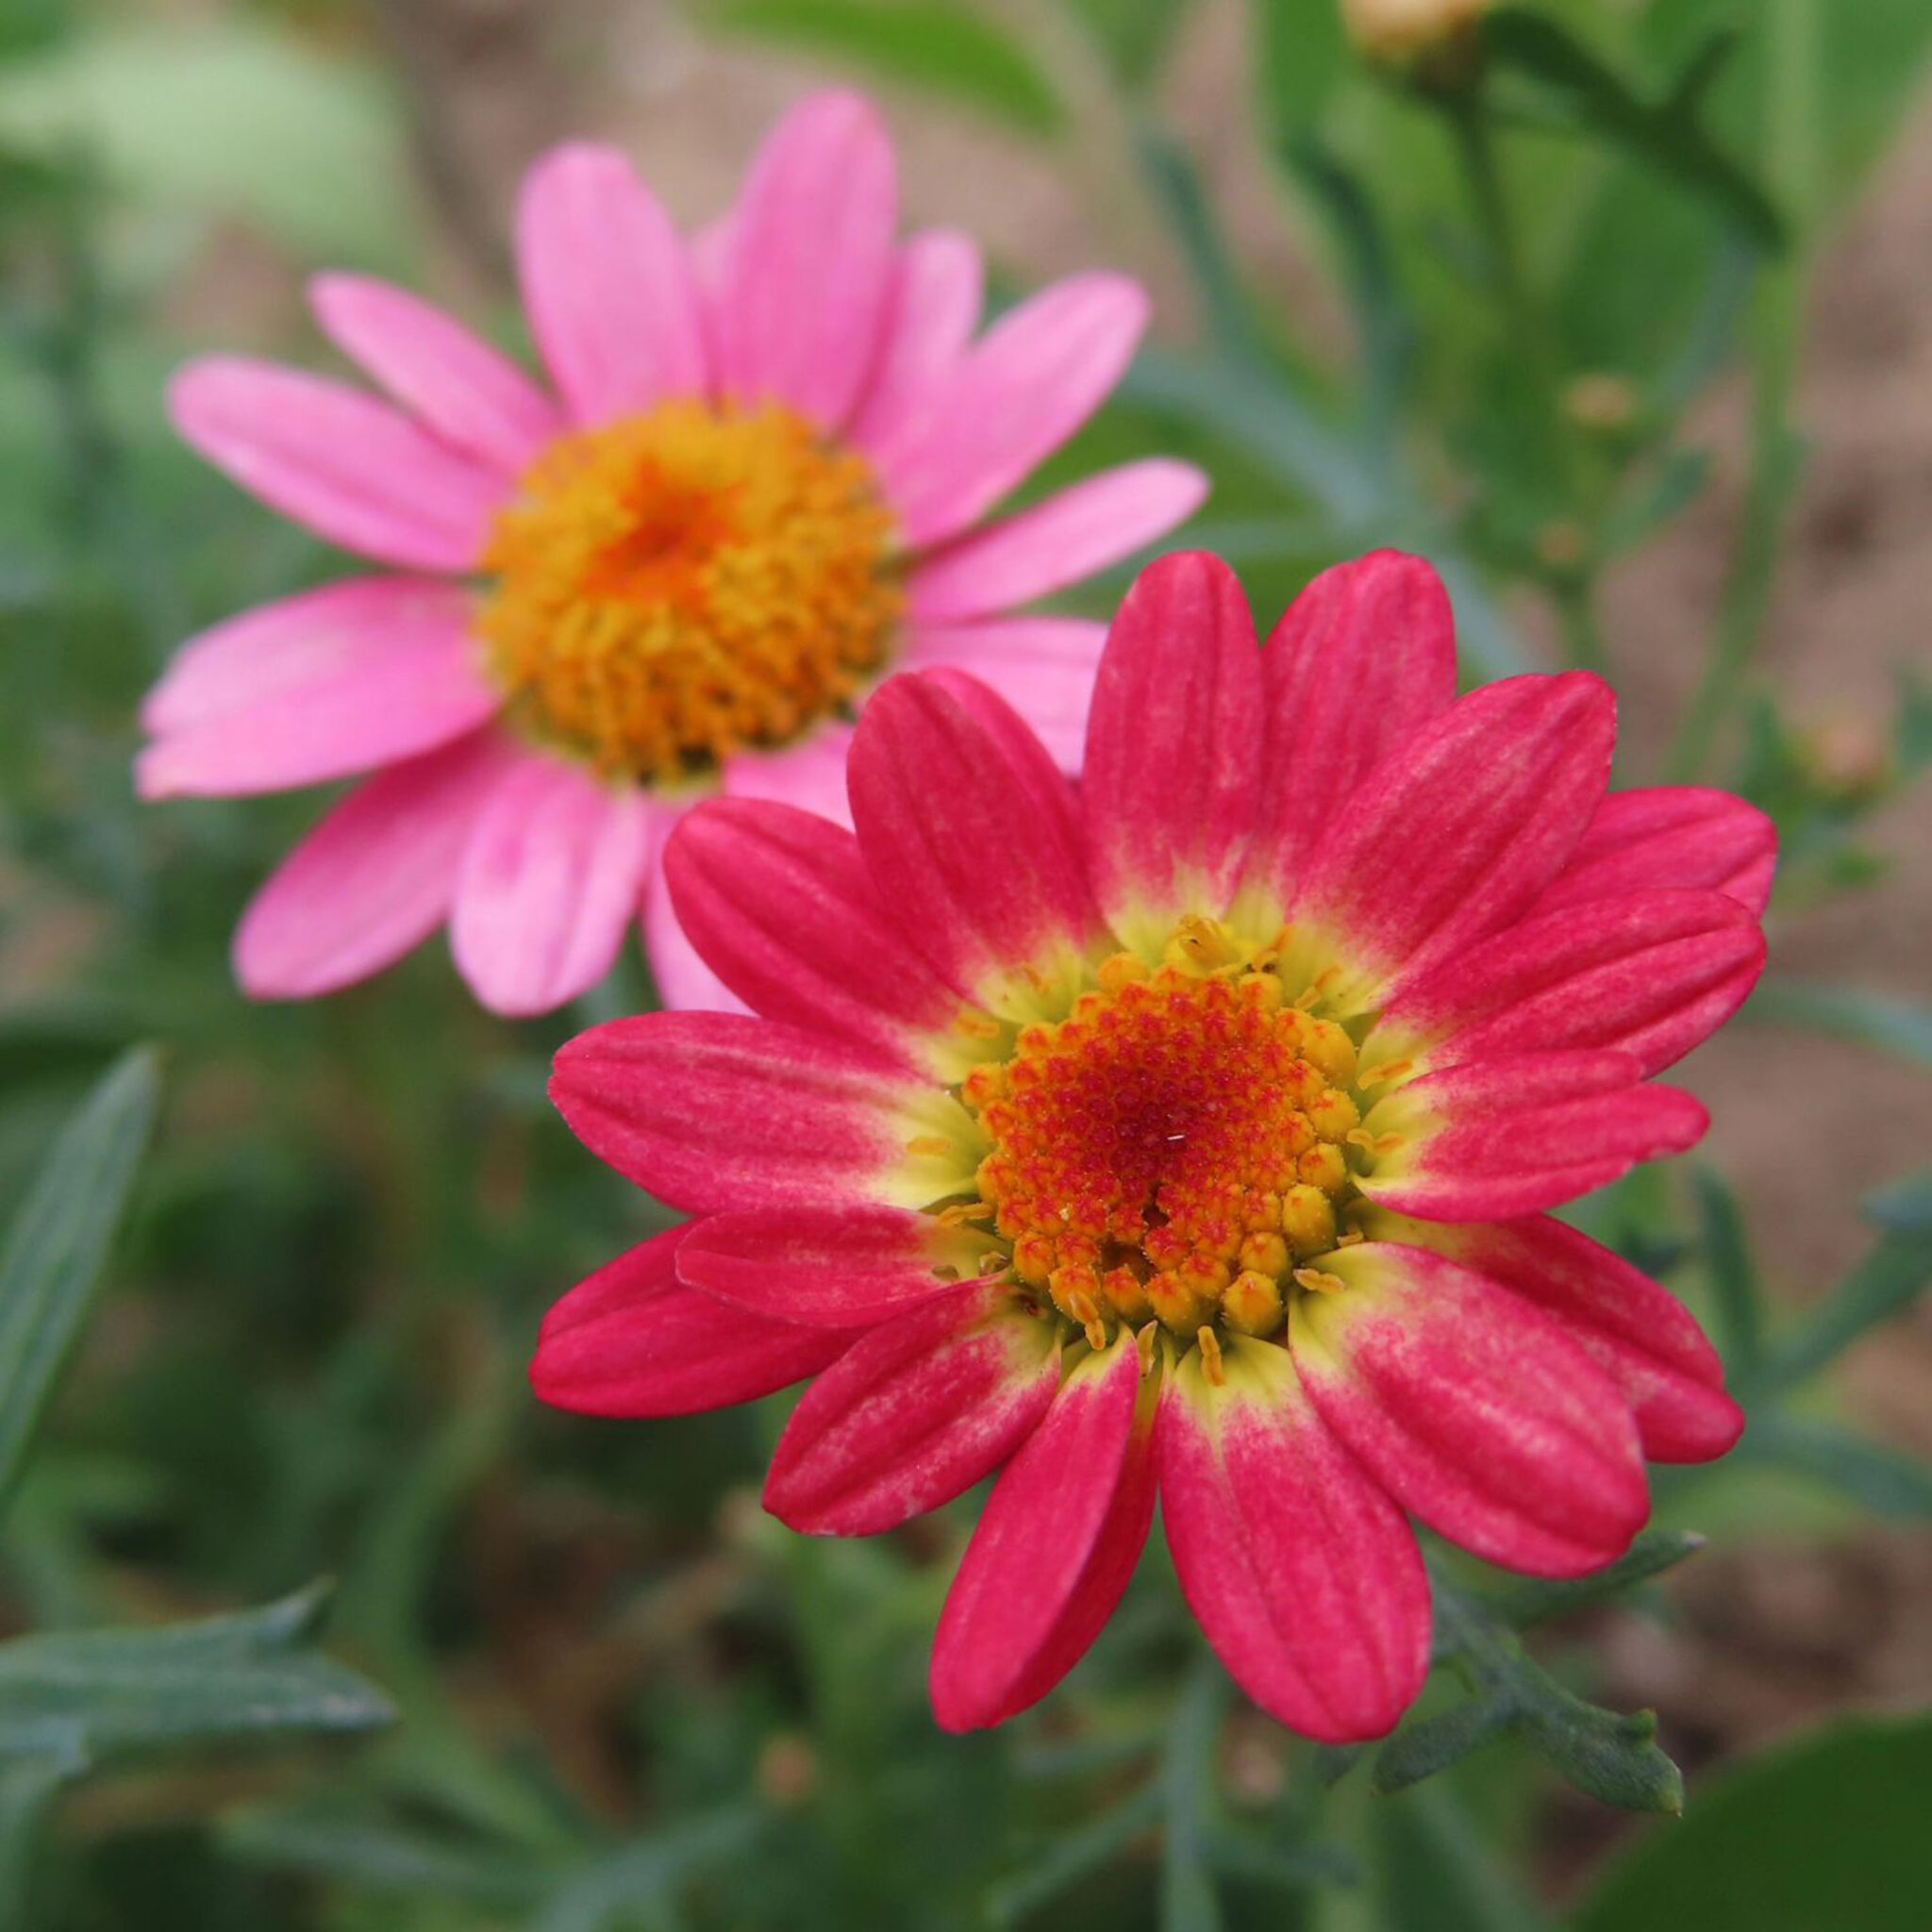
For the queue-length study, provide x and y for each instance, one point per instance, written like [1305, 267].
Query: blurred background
[1660, 402]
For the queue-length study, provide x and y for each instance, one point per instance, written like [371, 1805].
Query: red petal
[1473, 1410]
[1648, 973]
[1640, 1333]
[1672, 835]
[1454, 834]
[969, 834]
[1494, 1138]
[1364, 658]
[632, 1341]
[1054, 1548]
[916, 1412]
[1305, 1575]
[1173, 747]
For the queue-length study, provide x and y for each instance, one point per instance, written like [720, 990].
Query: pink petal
[372, 881]
[1454, 834]
[932, 310]
[1031, 381]
[782, 905]
[829, 1266]
[685, 983]
[1057, 543]
[809, 774]
[1494, 1138]
[808, 267]
[1364, 659]
[1639, 1334]
[323, 685]
[1671, 835]
[1055, 1549]
[352, 469]
[917, 1412]
[1173, 747]
[632, 1341]
[436, 369]
[710, 1111]
[1043, 666]
[1649, 973]
[607, 285]
[969, 834]
[1473, 1410]
[1305, 1576]
[550, 882]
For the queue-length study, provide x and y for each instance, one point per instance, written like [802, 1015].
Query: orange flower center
[685, 584]
[1176, 1146]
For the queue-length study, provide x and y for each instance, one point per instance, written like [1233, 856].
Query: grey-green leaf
[59, 1241]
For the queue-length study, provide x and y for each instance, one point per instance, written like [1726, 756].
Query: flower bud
[1409, 33]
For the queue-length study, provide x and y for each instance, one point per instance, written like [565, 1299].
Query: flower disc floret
[1173, 1146]
[688, 584]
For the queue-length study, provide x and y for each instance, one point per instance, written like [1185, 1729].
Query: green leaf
[1905, 1205]
[1134, 34]
[1729, 1267]
[1885, 1481]
[1888, 1277]
[224, 120]
[645, 1874]
[941, 48]
[1537, 1600]
[1866, 1019]
[1074, 1855]
[386, 1858]
[59, 1241]
[1666, 135]
[1434, 1872]
[93, 1698]
[1826, 1835]
[1300, 54]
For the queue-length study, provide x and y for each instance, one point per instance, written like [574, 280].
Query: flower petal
[1364, 659]
[323, 685]
[1054, 1548]
[550, 883]
[1473, 1410]
[607, 285]
[931, 311]
[722, 1111]
[1305, 1576]
[373, 879]
[1027, 385]
[632, 1341]
[1640, 1333]
[1454, 834]
[1043, 666]
[448, 378]
[781, 903]
[1648, 973]
[684, 982]
[1173, 748]
[1057, 543]
[350, 469]
[969, 834]
[1671, 835]
[810, 774]
[808, 265]
[917, 1412]
[1494, 1138]
[829, 1266]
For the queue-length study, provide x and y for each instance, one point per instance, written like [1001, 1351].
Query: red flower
[1192, 1133]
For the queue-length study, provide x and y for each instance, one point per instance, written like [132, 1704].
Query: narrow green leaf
[1866, 1019]
[1611, 1755]
[1537, 1600]
[647, 1873]
[941, 48]
[1888, 1280]
[1729, 1267]
[59, 1241]
[1074, 1855]
[94, 1697]
[1825, 1835]
[1134, 34]
[1427, 1745]
[1434, 1871]
[1885, 1481]
[1175, 185]
[385, 1858]
[1189, 1902]
[28, 1786]
[1301, 53]
[1905, 1205]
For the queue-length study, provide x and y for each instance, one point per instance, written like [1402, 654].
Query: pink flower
[759, 485]
[1194, 1135]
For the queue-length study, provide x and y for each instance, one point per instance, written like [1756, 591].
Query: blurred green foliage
[625, 1699]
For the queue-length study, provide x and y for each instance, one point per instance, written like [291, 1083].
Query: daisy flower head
[1191, 1134]
[757, 482]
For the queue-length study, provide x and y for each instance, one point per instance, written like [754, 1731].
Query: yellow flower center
[1176, 1146]
[688, 583]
